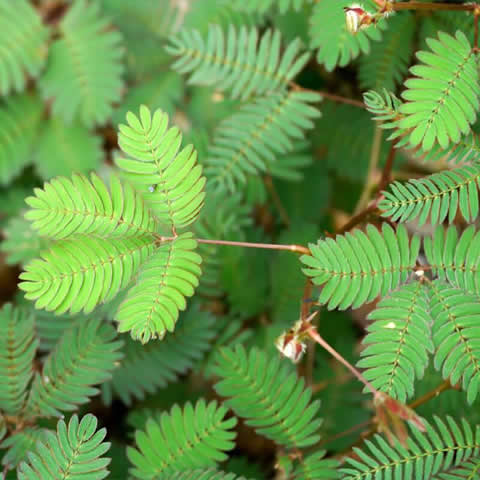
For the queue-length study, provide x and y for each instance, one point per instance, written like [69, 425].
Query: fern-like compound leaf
[465, 151]
[163, 91]
[18, 346]
[79, 273]
[21, 243]
[203, 474]
[263, 6]
[24, 45]
[63, 149]
[455, 260]
[152, 306]
[469, 470]
[146, 368]
[20, 117]
[316, 467]
[434, 198]
[357, 267]
[85, 357]
[399, 342]
[73, 452]
[65, 207]
[238, 61]
[84, 70]
[444, 445]
[271, 398]
[170, 180]
[388, 61]
[245, 143]
[456, 334]
[328, 33]
[19, 444]
[195, 437]
[442, 101]
[384, 107]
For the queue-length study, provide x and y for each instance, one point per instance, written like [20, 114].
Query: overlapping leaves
[74, 452]
[107, 236]
[84, 70]
[271, 398]
[23, 38]
[238, 61]
[357, 267]
[446, 445]
[65, 207]
[245, 143]
[170, 180]
[195, 437]
[17, 351]
[399, 341]
[170, 275]
[85, 357]
[442, 100]
[434, 198]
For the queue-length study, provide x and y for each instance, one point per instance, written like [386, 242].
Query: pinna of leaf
[292, 344]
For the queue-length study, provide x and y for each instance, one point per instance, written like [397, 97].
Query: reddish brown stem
[387, 169]
[465, 7]
[316, 336]
[340, 99]
[475, 33]
[276, 200]
[432, 394]
[270, 246]
[330, 96]
[356, 219]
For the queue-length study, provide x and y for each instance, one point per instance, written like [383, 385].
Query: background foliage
[135, 134]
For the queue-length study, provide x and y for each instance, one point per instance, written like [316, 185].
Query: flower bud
[357, 18]
[290, 344]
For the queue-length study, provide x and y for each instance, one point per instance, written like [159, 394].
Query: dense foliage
[196, 192]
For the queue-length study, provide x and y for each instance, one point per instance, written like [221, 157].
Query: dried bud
[391, 412]
[357, 18]
[290, 346]
[291, 343]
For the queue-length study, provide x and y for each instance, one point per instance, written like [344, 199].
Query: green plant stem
[276, 200]
[372, 168]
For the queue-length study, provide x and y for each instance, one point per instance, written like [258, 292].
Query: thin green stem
[372, 168]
